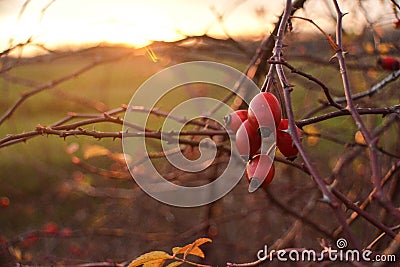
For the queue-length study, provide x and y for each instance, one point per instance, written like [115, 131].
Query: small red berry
[29, 240]
[33, 237]
[75, 250]
[248, 140]
[260, 170]
[396, 24]
[235, 119]
[264, 111]
[284, 140]
[4, 202]
[50, 228]
[65, 232]
[388, 63]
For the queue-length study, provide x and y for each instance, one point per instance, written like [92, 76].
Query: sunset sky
[137, 22]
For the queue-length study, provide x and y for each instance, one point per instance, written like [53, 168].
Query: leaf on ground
[155, 256]
[95, 151]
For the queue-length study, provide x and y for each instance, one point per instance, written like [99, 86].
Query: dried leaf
[192, 249]
[359, 138]
[201, 241]
[95, 151]
[313, 138]
[369, 48]
[385, 48]
[120, 157]
[154, 256]
[189, 249]
[174, 264]
[156, 263]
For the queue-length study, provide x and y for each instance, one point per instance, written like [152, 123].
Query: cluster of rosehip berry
[262, 119]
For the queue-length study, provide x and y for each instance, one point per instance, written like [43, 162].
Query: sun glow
[136, 23]
[65, 23]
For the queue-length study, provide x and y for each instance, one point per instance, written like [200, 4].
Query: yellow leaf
[176, 250]
[156, 263]
[174, 264]
[359, 138]
[385, 48]
[95, 151]
[313, 135]
[120, 157]
[193, 248]
[149, 257]
[201, 241]
[369, 48]
[189, 249]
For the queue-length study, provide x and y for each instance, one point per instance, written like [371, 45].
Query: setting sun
[136, 23]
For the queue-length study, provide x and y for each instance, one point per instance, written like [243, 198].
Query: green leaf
[155, 256]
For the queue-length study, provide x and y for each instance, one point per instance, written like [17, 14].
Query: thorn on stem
[326, 199]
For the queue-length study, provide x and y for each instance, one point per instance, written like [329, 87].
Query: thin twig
[374, 89]
[362, 111]
[311, 78]
[52, 84]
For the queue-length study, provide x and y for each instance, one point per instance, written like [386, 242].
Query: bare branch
[374, 89]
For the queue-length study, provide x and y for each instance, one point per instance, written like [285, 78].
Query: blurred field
[36, 176]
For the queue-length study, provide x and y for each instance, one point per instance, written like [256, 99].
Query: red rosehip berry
[248, 140]
[260, 171]
[65, 232]
[284, 140]
[75, 250]
[50, 228]
[396, 24]
[235, 119]
[264, 112]
[29, 240]
[388, 63]
[4, 202]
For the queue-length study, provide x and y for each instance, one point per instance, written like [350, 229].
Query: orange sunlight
[59, 24]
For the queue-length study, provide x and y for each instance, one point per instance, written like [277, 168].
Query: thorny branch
[374, 160]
